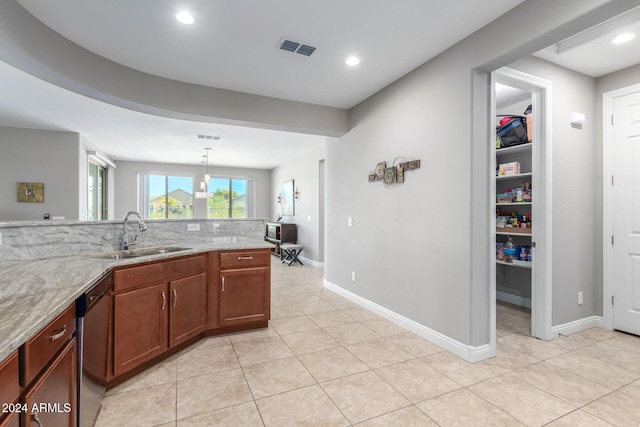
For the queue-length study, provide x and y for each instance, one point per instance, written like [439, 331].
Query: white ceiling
[233, 45]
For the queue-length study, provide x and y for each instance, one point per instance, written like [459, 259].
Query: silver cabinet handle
[36, 418]
[245, 258]
[175, 297]
[54, 337]
[222, 283]
[164, 300]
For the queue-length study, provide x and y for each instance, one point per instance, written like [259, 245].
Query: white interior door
[626, 213]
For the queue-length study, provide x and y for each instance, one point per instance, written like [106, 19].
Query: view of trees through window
[228, 198]
[97, 192]
[169, 196]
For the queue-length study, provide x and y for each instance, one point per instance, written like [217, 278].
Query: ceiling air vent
[305, 50]
[289, 46]
[296, 47]
[209, 137]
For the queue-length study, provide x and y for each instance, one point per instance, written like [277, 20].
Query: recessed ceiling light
[352, 61]
[623, 38]
[185, 18]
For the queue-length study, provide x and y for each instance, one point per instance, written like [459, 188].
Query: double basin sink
[135, 253]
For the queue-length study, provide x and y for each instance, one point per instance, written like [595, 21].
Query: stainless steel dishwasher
[93, 310]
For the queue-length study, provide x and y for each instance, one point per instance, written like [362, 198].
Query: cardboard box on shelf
[509, 169]
[530, 127]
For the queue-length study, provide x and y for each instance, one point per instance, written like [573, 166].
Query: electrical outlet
[353, 276]
[580, 298]
[309, 218]
[216, 225]
[193, 227]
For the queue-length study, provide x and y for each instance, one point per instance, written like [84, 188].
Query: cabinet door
[188, 308]
[12, 420]
[51, 401]
[9, 387]
[140, 326]
[244, 296]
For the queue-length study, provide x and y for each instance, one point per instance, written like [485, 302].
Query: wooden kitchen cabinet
[36, 353]
[48, 375]
[188, 308]
[52, 399]
[157, 306]
[245, 287]
[140, 326]
[9, 390]
[11, 420]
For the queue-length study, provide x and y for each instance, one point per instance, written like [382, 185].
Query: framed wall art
[31, 192]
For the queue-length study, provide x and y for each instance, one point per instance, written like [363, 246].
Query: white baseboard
[513, 299]
[469, 353]
[577, 326]
[311, 262]
[307, 261]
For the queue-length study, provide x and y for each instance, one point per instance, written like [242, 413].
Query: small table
[291, 252]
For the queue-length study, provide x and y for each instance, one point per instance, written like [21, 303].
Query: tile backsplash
[45, 239]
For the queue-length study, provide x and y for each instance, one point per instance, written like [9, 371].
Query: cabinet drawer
[241, 259]
[39, 350]
[135, 276]
[9, 386]
[183, 267]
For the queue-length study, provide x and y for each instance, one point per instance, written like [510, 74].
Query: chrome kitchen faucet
[141, 226]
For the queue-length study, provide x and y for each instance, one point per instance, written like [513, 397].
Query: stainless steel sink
[135, 253]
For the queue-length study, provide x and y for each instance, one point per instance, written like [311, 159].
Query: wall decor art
[30, 192]
[395, 173]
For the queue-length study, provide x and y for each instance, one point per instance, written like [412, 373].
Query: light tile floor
[325, 361]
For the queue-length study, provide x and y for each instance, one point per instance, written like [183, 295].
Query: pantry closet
[521, 191]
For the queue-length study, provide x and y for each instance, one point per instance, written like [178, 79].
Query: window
[230, 198]
[166, 196]
[97, 192]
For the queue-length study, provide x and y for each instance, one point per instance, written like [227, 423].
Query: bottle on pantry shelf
[509, 250]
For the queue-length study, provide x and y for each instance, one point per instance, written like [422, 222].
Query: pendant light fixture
[203, 193]
[207, 177]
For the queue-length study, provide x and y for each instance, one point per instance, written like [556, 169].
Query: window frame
[250, 196]
[143, 192]
[101, 193]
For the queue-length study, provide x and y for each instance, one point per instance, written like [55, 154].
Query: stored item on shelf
[519, 192]
[530, 127]
[509, 169]
[501, 221]
[523, 252]
[512, 131]
[500, 251]
[509, 250]
[512, 222]
[504, 198]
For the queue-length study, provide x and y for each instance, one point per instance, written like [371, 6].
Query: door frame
[541, 279]
[607, 199]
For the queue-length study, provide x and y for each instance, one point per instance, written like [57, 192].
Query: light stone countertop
[34, 292]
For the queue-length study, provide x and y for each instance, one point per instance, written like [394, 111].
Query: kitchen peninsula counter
[34, 292]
